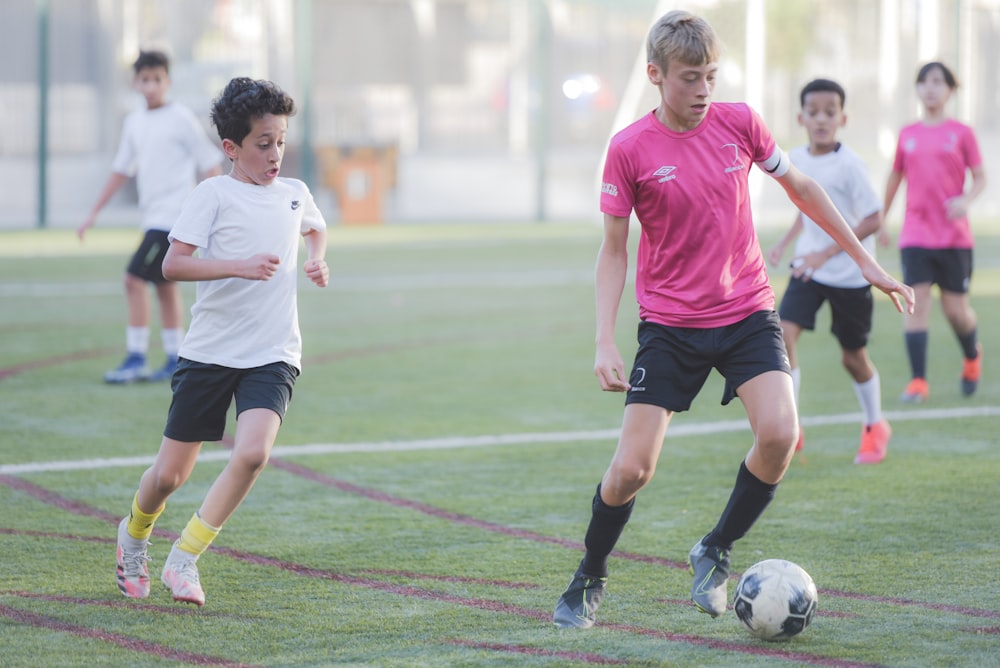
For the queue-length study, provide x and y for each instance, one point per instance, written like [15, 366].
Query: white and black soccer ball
[775, 599]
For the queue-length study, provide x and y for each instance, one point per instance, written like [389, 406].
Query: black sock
[916, 349]
[968, 343]
[747, 502]
[606, 526]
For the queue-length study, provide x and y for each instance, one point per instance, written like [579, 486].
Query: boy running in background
[704, 301]
[244, 343]
[822, 272]
[165, 148]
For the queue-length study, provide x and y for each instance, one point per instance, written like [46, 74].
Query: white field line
[502, 279]
[446, 443]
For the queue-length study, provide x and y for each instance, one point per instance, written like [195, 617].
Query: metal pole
[542, 110]
[304, 57]
[43, 110]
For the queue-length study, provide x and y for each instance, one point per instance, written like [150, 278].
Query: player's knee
[629, 477]
[251, 458]
[778, 437]
[166, 482]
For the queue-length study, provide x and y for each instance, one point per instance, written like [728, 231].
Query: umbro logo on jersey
[295, 204]
[666, 173]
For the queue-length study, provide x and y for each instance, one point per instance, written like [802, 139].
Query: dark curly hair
[242, 101]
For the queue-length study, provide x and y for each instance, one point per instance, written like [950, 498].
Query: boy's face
[822, 115]
[153, 83]
[258, 159]
[685, 93]
[933, 91]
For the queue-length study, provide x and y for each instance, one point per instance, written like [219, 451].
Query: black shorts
[950, 268]
[673, 363]
[147, 262]
[204, 392]
[850, 308]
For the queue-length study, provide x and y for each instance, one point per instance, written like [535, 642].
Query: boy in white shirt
[165, 148]
[821, 271]
[243, 343]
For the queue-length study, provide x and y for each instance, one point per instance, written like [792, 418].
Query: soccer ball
[775, 599]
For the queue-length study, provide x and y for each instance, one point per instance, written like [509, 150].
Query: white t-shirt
[165, 149]
[844, 177]
[237, 322]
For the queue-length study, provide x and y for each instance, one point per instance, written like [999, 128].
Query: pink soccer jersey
[934, 159]
[699, 262]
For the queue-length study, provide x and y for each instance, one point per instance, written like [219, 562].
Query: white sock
[137, 340]
[870, 397]
[171, 339]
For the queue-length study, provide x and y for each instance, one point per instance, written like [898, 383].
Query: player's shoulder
[634, 130]
[292, 184]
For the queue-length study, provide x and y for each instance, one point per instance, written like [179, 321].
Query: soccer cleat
[133, 368]
[180, 575]
[710, 566]
[166, 372]
[970, 372]
[916, 392]
[132, 567]
[874, 443]
[578, 604]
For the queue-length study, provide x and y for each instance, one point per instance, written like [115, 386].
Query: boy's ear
[654, 74]
[843, 120]
[801, 122]
[230, 148]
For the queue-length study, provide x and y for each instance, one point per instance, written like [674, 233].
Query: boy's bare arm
[315, 267]
[114, 183]
[180, 264]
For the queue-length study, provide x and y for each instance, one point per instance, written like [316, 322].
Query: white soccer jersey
[165, 149]
[844, 177]
[237, 322]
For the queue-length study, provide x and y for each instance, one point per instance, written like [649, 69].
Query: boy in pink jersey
[704, 300]
[934, 155]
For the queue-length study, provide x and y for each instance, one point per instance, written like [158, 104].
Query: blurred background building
[458, 110]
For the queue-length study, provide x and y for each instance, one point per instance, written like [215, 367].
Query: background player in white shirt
[165, 148]
[822, 272]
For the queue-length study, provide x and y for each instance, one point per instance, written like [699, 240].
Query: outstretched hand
[900, 293]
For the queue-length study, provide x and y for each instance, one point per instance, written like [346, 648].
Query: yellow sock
[140, 523]
[197, 536]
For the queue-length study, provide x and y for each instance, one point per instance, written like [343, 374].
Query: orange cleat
[916, 392]
[970, 372]
[874, 443]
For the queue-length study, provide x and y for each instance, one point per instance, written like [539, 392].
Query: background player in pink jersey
[704, 300]
[934, 155]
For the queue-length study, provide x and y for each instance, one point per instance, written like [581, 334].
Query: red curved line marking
[441, 597]
[121, 603]
[581, 657]
[58, 501]
[7, 372]
[132, 644]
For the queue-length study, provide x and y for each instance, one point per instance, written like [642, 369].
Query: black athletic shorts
[950, 268]
[147, 262]
[850, 308]
[673, 363]
[204, 392]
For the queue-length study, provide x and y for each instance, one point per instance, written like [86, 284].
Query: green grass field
[428, 495]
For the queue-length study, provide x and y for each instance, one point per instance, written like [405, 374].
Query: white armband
[777, 165]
